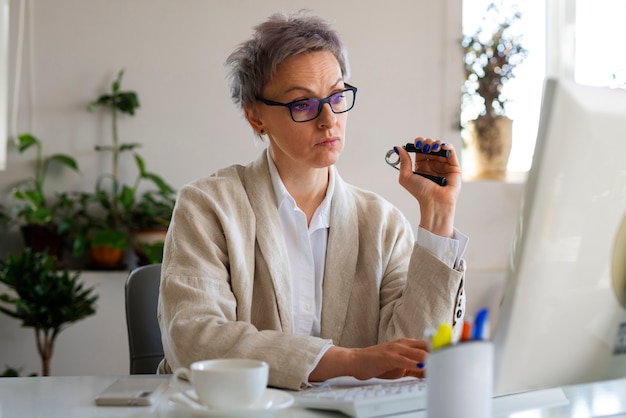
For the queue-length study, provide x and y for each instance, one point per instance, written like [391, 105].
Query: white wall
[405, 59]
[173, 54]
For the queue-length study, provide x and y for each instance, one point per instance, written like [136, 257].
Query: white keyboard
[372, 400]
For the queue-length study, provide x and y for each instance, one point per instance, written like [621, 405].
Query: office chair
[144, 334]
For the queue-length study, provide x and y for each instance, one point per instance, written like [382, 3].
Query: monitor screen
[562, 318]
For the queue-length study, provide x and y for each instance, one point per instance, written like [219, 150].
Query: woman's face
[298, 146]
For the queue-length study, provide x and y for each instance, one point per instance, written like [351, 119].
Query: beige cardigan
[225, 285]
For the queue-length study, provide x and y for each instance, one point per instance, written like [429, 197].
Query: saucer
[271, 400]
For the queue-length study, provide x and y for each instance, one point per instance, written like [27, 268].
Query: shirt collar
[321, 218]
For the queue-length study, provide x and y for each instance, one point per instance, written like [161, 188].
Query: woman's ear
[253, 117]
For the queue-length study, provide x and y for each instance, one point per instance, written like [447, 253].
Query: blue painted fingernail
[426, 149]
[435, 146]
[420, 365]
[444, 144]
[418, 144]
[395, 149]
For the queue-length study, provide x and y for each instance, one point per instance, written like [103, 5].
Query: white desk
[72, 397]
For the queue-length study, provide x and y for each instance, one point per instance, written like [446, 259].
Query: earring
[262, 131]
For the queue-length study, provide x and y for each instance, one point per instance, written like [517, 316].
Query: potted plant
[44, 221]
[45, 298]
[491, 55]
[124, 211]
[149, 217]
[13, 372]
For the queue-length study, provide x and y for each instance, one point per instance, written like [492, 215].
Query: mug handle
[184, 372]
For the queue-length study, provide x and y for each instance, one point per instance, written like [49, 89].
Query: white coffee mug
[224, 383]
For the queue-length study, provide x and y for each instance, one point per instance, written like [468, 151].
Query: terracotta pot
[107, 258]
[489, 144]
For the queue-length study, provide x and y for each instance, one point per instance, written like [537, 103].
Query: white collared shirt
[306, 248]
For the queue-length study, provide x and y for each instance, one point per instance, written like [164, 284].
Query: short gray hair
[283, 35]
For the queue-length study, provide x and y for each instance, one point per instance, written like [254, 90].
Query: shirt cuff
[448, 250]
[314, 365]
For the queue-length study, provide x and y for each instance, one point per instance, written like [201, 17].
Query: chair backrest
[144, 334]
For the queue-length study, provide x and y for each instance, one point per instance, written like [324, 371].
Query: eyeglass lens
[308, 109]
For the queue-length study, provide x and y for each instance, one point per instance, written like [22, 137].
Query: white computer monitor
[562, 318]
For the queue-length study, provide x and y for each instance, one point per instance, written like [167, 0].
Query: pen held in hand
[437, 179]
[409, 147]
[395, 163]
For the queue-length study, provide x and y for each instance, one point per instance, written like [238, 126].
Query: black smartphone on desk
[132, 391]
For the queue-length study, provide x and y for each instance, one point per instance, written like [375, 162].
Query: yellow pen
[442, 337]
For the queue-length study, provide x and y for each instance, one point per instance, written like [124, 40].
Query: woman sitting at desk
[281, 260]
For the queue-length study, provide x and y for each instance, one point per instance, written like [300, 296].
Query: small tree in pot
[491, 55]
[45, 298]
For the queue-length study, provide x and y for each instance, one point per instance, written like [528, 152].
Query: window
[582, 39]
[526, 88]
[599, 58]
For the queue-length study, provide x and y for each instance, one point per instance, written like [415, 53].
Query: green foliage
[110, 238]
[125, 102]
[10, 372]
[152, 209]
[491, 55]
[43, 297]
[46, 298]
[116, 101]
[153, 252]
[33, 206]
[123, 209]
[13, 372]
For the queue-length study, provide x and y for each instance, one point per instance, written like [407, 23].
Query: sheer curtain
[4, 64]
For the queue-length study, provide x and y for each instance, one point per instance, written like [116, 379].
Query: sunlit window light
[526, 88]
[600, 35]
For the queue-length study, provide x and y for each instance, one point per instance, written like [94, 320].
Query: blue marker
[481, 325]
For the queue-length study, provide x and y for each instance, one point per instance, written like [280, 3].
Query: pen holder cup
[459, 381]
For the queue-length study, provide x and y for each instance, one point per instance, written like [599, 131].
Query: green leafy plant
[153, 253]
[491, 55]
[112, 200]
[153, 208]
[34, 206]
[44, 297]
[10, 372]
[13, 372]
[44, 219]
[124, 209]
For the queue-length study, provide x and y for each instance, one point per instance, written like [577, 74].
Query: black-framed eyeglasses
[304, 110]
